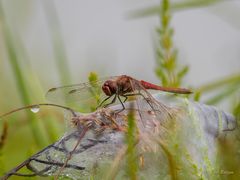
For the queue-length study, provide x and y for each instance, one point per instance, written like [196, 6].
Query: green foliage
[131, 141]
[223, 89]
[168, 70]
[236, 108]
[25, 133]
[223, 82]
[174, 6]
[19, 77]
[95, 89]
[93, 77]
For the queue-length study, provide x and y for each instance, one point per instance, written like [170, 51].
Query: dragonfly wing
[149, 104]
[84, 96]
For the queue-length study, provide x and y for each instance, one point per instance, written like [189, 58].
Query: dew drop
[35, 109]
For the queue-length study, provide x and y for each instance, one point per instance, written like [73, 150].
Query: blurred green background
[46, 43]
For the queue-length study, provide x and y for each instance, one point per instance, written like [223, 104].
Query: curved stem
[38, 105]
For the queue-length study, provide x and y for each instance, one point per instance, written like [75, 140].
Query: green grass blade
[235, 78]
[224, 94]
[132, 158]
[16, 69]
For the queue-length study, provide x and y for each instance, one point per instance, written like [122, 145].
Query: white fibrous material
[178, 132]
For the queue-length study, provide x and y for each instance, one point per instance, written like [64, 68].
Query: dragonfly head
[109, 87]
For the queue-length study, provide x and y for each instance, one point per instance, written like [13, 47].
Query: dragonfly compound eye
[109, 88]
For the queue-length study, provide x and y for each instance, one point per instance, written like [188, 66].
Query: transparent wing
[154, 107]
[84, 97]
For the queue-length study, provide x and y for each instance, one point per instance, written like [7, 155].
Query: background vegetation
[21, 83]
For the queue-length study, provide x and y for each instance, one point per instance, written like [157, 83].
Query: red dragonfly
[98, 94]
[151, 112]
[107, 88]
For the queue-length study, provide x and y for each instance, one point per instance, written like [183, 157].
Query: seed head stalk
[167, 69]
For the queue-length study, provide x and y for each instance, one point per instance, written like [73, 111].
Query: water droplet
[35, 109]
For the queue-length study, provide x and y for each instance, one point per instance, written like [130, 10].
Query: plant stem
[175, 6]
[167, 69]
[132, 159]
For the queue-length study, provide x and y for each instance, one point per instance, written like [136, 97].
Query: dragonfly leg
[126, 97]
[133, 94]
[103, 102]
[123, 107]
[113, 101]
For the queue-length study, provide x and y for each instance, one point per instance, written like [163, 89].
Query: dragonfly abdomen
[148, 85]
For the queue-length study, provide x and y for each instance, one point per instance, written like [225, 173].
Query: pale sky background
[99, 37]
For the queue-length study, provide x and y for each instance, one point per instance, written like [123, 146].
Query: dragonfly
[152, 113]
[103, 90]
